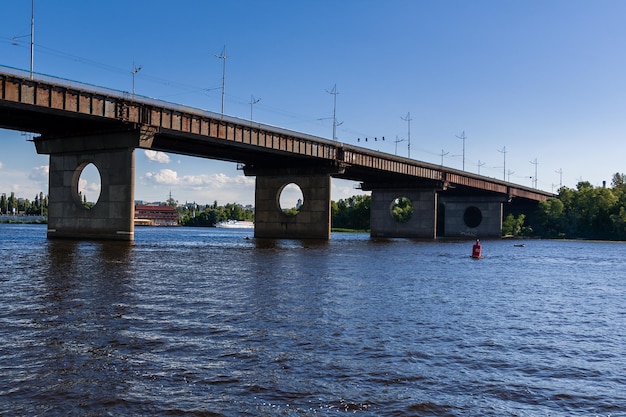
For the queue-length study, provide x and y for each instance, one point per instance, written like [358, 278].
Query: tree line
[209, 215]
[585, 212]
[351, 213]
[13, 205]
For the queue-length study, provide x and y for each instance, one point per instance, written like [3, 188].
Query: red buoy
[477, 250]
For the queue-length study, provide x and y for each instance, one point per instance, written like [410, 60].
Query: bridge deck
[54, 107]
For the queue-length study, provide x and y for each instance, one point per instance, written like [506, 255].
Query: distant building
[156, 215]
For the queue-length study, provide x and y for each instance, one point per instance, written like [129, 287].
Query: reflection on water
[214, 322]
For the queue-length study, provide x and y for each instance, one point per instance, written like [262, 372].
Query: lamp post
[463, 137]
[503, 152]
[396, 142]
[408, 146]
[223, 57]
[32, 37]
[133, 72]
[334, 93]
[253, 101]
[535, 163]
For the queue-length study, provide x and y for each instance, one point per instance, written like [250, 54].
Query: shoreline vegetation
[582, 213]
[23, 219]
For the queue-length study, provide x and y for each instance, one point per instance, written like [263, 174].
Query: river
[211, 322]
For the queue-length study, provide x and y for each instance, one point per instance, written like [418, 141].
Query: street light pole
[463, 137]
[253, 101]
[223, 57]
[503, 152]
[334, 93]
[397, 141]
[408, 119]
[32, 37]
[133, 72]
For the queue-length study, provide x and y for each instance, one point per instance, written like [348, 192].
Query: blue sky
[544, 80]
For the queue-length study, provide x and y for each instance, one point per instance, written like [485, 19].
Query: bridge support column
[421, 224]
[113, 155]
[313, 219]
[473, 216]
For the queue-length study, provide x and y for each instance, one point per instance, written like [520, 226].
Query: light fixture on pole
[134, 72]
[408, 119]
[535, 163]
[509, 173]
[479, 165]
[560, 172]
[15, 41]
[396, 142]
[463, 137]
[253, 101]
[503, 152]
[443, 153]
[32, 38]
[223, 57]
[335, 124]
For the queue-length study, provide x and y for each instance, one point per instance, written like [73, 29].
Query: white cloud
[157, 156]
[1, 164]
[203, 188]
[163, 177]
[89, 189]
[217, 181]
[39, 174]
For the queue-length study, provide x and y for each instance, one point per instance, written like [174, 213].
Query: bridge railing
[344, 153]
[125, 95]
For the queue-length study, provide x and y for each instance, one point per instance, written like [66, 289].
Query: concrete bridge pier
[473, 216]
[113, 155]
[421, 224]
[314, 216]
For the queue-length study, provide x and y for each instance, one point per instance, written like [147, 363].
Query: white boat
[235, 224]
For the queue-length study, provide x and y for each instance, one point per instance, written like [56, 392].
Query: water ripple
[204, 322]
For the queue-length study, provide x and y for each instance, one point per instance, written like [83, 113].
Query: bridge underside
[73, 119]
[465, 214]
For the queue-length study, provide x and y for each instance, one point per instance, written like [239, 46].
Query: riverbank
[23, 219]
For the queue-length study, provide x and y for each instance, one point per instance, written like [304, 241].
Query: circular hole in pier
[472, 216]
[291, 199]
[87, 185]
[402, 209]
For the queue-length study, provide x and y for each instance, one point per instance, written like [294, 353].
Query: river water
[210, 322]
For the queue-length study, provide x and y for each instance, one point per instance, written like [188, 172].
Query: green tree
[171, 202]
[214, 214]
[402, 209]
[586, 212]
[12, 203]
[514, 226]
[551, 217]
[619, 180]
[352, 212]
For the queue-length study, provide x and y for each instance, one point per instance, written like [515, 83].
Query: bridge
[79, 124]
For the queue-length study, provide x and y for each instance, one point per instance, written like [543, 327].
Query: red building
[156, 215]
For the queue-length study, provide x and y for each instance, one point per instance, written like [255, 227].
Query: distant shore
[23, 219]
